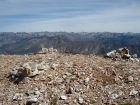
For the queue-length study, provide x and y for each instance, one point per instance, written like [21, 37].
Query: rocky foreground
[69, 79]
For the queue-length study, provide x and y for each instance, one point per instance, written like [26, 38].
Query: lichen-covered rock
[30, 69]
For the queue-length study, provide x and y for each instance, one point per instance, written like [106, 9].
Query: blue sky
[70, 15]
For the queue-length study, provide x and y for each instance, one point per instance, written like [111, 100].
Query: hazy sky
[70, 15]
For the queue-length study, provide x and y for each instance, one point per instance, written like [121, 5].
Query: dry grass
[107, 80]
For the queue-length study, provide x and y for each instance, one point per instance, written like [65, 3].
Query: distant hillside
[83, 42]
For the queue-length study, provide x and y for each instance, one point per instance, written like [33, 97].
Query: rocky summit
[52, 78]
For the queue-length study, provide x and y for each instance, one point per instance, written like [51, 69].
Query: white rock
[36, 88]
[111, 54]
[80, 100]
[131, 59]
[15, 97]
[20, 99]
[114, 96]
[134, 56]
[133, 92]
[130, 78]
[40, 67]
[120, 93]
[63, 97]
[68, 74]
[137, 60]
[37, 92]
[50, 49]
[87, 79]
[32, 100]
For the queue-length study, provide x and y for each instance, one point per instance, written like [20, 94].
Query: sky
[70, 15]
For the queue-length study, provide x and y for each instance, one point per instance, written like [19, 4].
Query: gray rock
[114, 96]
[134, 56]
[50, 49]
[37, 93]
[111, 54]
[2, 95]
[40, 67]
[137, 60]
[32, 100]
[17, 96]
[133, 92]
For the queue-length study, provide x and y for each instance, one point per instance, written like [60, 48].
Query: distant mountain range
[83, 42]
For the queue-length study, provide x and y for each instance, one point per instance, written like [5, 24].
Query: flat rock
[130, 79]
[114, 96]
[32, 100]
[63, 97]
[133, 92]
[80, 100]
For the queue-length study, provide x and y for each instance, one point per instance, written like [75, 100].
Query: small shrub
[54, 101]
[74, 79]
[107, 80]
[128, 103]
[72, 71]
[49, 79]
[92, 101]
[120, 66]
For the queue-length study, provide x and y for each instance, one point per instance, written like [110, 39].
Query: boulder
[126, 56]
[133, 92]
[131, 59]
[44, 50]
[134, 56]
[123, 51]
[111, 54]
[30, 69]
[41, 67]
[50, 49]
[137, 60]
